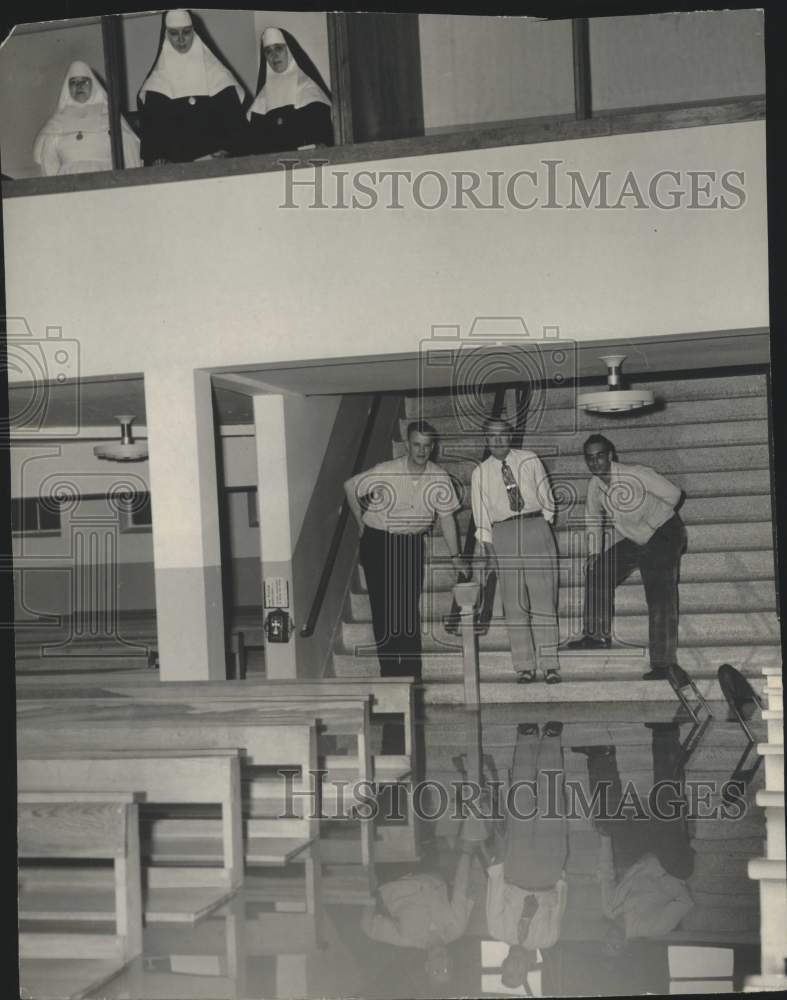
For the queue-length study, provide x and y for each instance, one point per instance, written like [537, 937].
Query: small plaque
[277, 592]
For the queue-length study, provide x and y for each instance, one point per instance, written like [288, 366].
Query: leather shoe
[655, 675]
[588, 642]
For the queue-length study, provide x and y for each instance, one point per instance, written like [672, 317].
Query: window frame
[22, 530]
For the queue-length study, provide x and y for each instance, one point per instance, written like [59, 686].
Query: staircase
[708, 435]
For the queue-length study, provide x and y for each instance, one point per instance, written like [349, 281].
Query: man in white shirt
[513, 511]
[526, 891]
[647, 534]
[401, 500]
[416, 911]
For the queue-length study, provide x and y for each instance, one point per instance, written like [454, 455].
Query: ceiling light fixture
[126, 449]
[614, 399]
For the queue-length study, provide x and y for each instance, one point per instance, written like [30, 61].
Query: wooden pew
[263, 795]
[267, 738]
[94, 825]
[165, 776]
[387, 695]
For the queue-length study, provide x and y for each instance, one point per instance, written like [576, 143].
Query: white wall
[670, 58]
[486, 69]
[215, 272]
[308, 423]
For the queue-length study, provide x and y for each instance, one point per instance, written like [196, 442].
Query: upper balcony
[410, 85]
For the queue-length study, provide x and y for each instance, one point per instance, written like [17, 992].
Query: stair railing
[307, 629]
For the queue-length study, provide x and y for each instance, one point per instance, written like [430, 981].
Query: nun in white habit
[293, 104]
[191, 104]
[76, 139]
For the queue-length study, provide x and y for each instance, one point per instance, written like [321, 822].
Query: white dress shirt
[652, 901]
[490, 497]
[401, 502]
[504, 905]
[637, 500]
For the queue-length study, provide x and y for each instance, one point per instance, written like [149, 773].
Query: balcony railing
[520, 133]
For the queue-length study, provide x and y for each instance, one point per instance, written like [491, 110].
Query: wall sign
[277, 592]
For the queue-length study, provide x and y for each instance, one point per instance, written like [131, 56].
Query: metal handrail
[307, 629]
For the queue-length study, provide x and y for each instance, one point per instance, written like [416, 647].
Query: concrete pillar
[186, 549]
[276, 548]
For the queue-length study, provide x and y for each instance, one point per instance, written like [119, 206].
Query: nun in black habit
[293, 104]
[191, 105]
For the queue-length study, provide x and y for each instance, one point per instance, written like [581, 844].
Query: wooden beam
[580, 35]
[338, 52]
[113, 74]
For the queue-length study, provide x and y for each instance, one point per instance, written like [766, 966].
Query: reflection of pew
[268, 738]
[205, 960]
[164, 776]
[63, 825]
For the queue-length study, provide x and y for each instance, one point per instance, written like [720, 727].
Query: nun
[293, 105]
[76, 140]
[191, 105]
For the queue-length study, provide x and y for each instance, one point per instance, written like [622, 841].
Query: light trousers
[528, 575]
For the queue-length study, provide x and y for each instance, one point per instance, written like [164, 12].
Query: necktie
[515, 499]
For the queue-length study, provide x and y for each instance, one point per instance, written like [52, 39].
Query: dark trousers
[659, 564]
[632, 837]
[394, 569]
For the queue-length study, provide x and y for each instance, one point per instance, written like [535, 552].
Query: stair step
[568, 420]
[428, 405]
[572, 484]
[695, 567]
[626, 439]
[694, 598]
[496, 692]
[700, 661]
[672, 462]
[448, 668]
[756, 628]
[696, 510]
[710, 537]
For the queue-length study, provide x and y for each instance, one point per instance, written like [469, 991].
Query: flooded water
[608, 857]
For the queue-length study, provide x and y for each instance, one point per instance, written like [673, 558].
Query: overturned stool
[681, 683]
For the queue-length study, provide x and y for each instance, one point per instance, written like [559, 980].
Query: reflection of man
[417, 913]
[643, 862]
[401, 499]
[513, 510]
[647, 535]
[527, 892]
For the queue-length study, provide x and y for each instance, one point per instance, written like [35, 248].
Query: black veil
[302, 60]
[204, 35]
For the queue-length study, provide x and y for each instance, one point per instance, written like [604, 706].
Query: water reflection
[591, 884]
